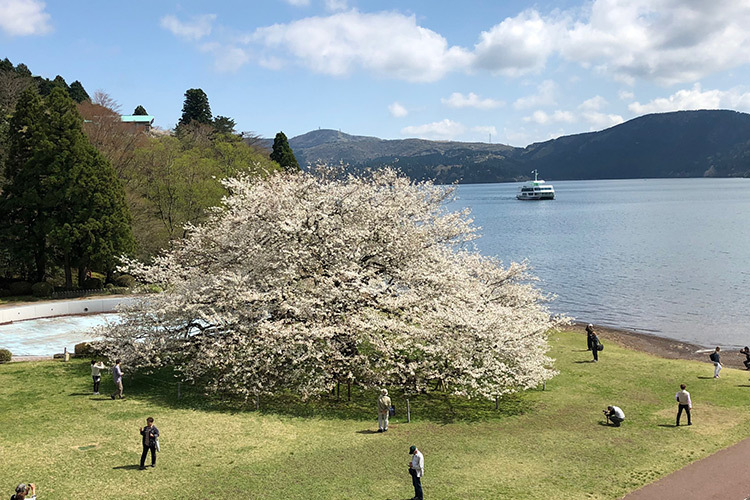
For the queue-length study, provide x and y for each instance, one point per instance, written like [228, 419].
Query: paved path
[721, 476]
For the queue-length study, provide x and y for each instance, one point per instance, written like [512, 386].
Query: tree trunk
[81, 276]
[348, 391]
[68, 273]
[41, 264]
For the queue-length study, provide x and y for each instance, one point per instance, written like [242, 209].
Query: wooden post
[338, 390]
[179, 392]
[257, 402]
[348, 391]
[497, 403]
[408, 412]
[544, 385]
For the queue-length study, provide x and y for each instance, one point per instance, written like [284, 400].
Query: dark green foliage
[125, 281]
[23, 70]
[140, 111]
[224, 125]
[5, 355]
[20, 288]
[282, 153]
[195, 108]
[84, 349]
[77, 92]
[42, 289]
[91, 284]
[63, 200]
[6, 65]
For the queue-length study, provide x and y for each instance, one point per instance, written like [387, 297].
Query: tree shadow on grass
[435, 406]
[743, 385]
[127, 467]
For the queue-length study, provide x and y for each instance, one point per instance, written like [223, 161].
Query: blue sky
[507, 71]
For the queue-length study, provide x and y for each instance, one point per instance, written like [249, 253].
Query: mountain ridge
[674, 144]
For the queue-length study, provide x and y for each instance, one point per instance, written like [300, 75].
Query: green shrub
[109, 286]
[4, 292]
[42, 289]
[5, 355]
[125, 281]
[20, 288]
[153, 288]
[92, 284]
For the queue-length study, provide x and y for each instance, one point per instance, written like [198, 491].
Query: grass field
[542, 445]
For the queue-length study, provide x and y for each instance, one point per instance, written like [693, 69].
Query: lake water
[663, 256]
[48, 336]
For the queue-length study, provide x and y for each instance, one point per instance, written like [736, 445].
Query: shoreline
[662, 347]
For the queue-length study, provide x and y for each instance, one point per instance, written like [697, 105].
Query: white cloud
[667, 41]
[24, 17]
[336, 5]
[737, 98]
[601, 120]
[458, 100]
[227, 58]
[442, 130]
[397, 110]
[516, 46]
[298, 3]
[388, 44]
[543, 118]
[199, 27]
[625, 95]
[594, 104]
[545, 96]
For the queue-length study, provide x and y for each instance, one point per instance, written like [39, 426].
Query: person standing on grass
[96, 373]
[117, 377]
[595, 345]
[416, 469]
[589, 336]
[384, 406]
[684, 402]
[150, 436]
[716, 358]
[23, 491]
[746, 352]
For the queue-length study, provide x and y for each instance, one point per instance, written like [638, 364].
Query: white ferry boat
[536, 189]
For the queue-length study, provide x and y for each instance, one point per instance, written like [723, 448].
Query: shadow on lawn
[434, 406]
[127, 467]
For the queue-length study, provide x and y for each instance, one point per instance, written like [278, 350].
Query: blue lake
[663, 256]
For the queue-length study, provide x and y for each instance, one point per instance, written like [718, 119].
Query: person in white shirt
[416, 469]
[615, 415]
[24, 492]
[684, 402]
[384, 406]
[96, 373]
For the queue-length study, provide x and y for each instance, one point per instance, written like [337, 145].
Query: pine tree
[195, 108]
[78, 93]
[25, 203]
[282, 153]
[140, 111]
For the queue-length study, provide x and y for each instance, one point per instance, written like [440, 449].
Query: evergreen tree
[6, 65]
[282, 153]
[78, 93]
[25, 203]
[195, 108]
[91, 219]
[224, 125]
[140, 111]
[23, 70]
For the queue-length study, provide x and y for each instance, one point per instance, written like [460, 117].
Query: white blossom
[300, 281]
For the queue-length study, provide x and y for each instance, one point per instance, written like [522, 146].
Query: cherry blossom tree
[302, 280]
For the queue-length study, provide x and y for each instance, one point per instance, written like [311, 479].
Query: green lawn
[542, 445]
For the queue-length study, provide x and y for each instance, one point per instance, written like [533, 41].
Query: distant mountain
[679, 144]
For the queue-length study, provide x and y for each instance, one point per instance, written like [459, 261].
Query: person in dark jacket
[589, 334]
[150, 435]
[716, 358]
[746, 352]
[595, 346]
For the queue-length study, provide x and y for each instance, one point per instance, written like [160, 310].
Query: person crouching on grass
[614, 415]
[150, 436]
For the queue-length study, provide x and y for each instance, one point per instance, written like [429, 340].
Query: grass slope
[542, 445]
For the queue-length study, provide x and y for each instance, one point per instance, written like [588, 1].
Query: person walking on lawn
[716, 358]
[96, 373]
[416, 469]
[384, 406]
[150, 438]
[589, 336]
[117, 377]
[746, 352]
[684, 402]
